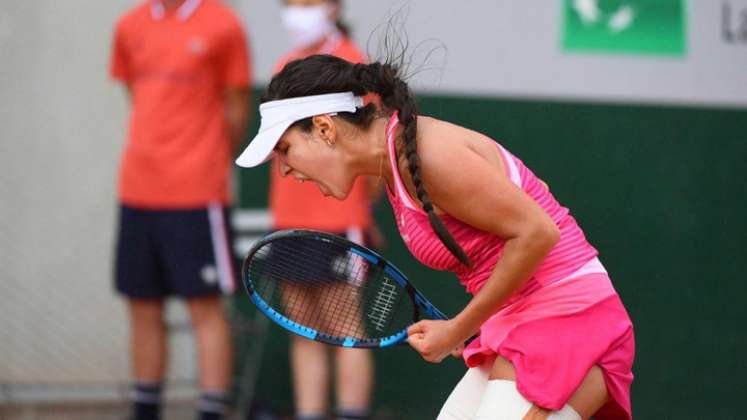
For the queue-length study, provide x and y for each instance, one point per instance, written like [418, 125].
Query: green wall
[657, 190]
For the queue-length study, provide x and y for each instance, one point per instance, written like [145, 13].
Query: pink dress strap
[399, 185]
[510, 165]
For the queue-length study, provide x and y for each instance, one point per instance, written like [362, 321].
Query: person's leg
[502, 400]
[354, 368]
[138, 277]
[214, 354]
[198, 266]
[464, 400]
[591, 395]
[354, 379]
[305, 299]
[148, 350]
[310, 371]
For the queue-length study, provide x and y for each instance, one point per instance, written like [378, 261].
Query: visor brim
[261, 146]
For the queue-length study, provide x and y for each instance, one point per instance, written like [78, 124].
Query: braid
[395, 94]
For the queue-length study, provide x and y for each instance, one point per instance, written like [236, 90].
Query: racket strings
[313, 302]
[326, 287]
[328, 304]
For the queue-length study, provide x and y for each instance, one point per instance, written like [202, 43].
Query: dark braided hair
[320, 74]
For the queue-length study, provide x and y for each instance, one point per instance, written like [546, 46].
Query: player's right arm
[465, 185]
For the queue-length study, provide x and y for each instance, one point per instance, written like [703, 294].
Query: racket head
[326, 288]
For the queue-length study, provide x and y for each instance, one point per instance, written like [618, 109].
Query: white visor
[277, 116]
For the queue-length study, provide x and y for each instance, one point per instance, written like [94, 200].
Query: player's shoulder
[431, 131]
[440, 142]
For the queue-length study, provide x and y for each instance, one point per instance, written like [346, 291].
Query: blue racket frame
[421, 304]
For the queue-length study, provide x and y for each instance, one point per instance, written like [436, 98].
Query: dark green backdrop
[660, 191]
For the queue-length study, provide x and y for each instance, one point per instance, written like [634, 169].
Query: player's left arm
[467, 186]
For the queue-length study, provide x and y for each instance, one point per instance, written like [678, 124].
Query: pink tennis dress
[566, 318]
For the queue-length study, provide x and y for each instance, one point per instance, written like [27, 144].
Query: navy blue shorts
[184, 253]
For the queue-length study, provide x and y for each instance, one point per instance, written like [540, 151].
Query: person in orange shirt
[185, 65]
[314, 28]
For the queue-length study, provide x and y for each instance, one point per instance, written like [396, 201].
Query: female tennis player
[554, 339]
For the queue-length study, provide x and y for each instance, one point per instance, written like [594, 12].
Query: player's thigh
[586, 400]
[502, 369]
[591, 395]
[465, 398]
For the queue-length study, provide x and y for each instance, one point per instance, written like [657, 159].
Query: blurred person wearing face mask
[310, 22]
[314, 28]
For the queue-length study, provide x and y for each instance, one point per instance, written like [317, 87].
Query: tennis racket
[326, 288]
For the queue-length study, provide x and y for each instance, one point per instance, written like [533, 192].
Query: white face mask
[307, 25]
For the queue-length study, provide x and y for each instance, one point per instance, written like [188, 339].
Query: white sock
[502, 401]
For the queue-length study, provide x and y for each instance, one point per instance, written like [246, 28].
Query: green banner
[624, 26]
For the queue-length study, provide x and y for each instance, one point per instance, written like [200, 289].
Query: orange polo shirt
[178, 64]
[301, 205]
